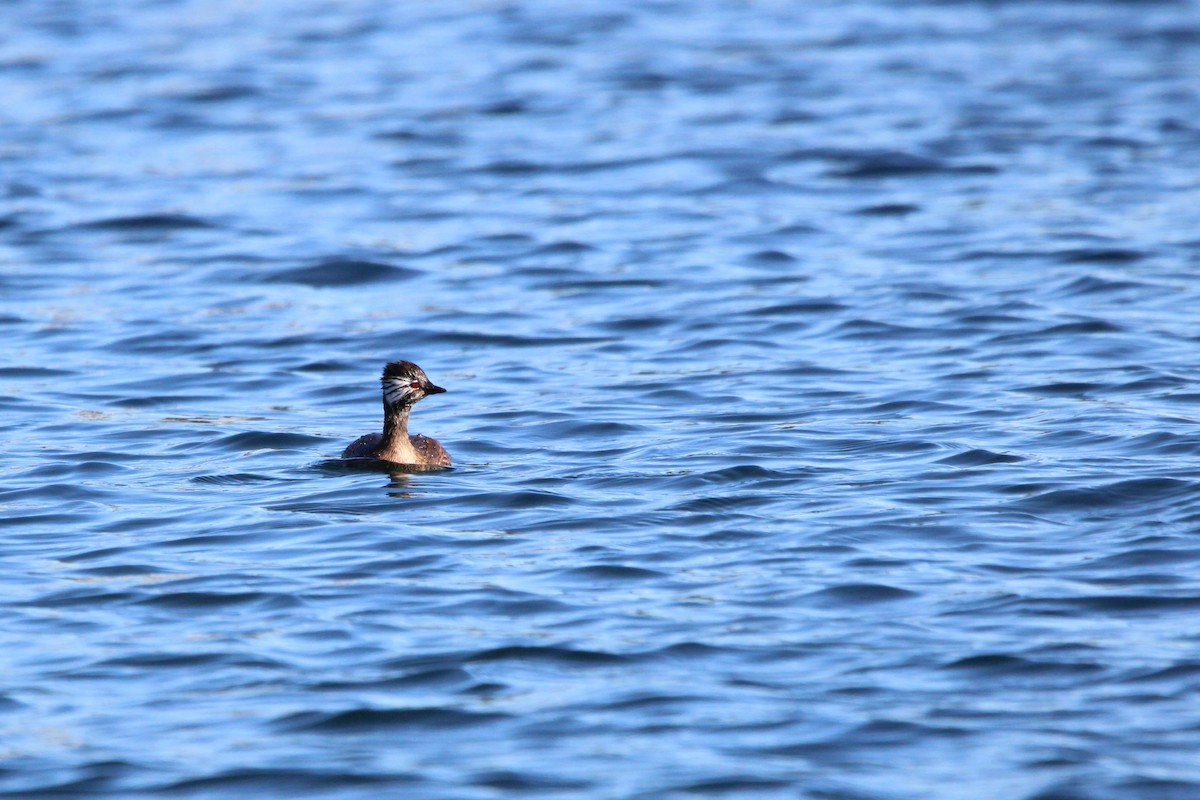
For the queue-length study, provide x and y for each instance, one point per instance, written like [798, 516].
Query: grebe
[404, 383]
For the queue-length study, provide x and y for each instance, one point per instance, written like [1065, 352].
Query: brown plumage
[403, 383]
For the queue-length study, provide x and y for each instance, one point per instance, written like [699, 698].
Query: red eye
[415, 385]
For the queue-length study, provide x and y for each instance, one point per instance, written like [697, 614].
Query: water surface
[822, 393]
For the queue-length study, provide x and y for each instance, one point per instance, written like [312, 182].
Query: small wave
[730, 785]
[508, 607]
[799, 307]
[555, 655]
[600, 284]
[508, 781]
[1096, 255]
[513, 167]
[628, 324]
[185, 661]
[510, 340]
[269, 440]
[746, 473]
[910, 407]
[86, 596]
[859, 594]
[147, 222]
[880, 733]
[899, 164]
[1188, 671]
[1117, 604]
[384, 719]
[512, 500]
[771, 257]
[33, 372]
[233, 479]
[997, 664]
[651, 701]
[888, 210]
[444, 677]
[979, 458]
[1082, 327]
[1142, 557]
[1094, 285]
[564, 248]
[81, 469]
[1109, 496]
[728, 503]
[290, 781]
[155, 400]
[866, 446]
[173, 342]
[872, 329]
[1150, 788]
[342, 272]
[569, 430]
[606, 573]
[197, 601]
[219, 94]
[1066, 388]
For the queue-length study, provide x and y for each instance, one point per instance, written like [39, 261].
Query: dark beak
[431, 389]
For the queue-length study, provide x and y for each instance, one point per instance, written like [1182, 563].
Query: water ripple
[822, 395]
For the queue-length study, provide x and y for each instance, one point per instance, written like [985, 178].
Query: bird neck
[397, 444]
[395, 423]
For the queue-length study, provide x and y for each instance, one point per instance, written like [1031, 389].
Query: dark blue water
[824, 387]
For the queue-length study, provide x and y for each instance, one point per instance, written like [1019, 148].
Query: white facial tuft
[398, 391]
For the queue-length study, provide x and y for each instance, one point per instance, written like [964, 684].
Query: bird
[403, 383]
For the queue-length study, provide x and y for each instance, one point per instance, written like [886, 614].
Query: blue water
[823, 383]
